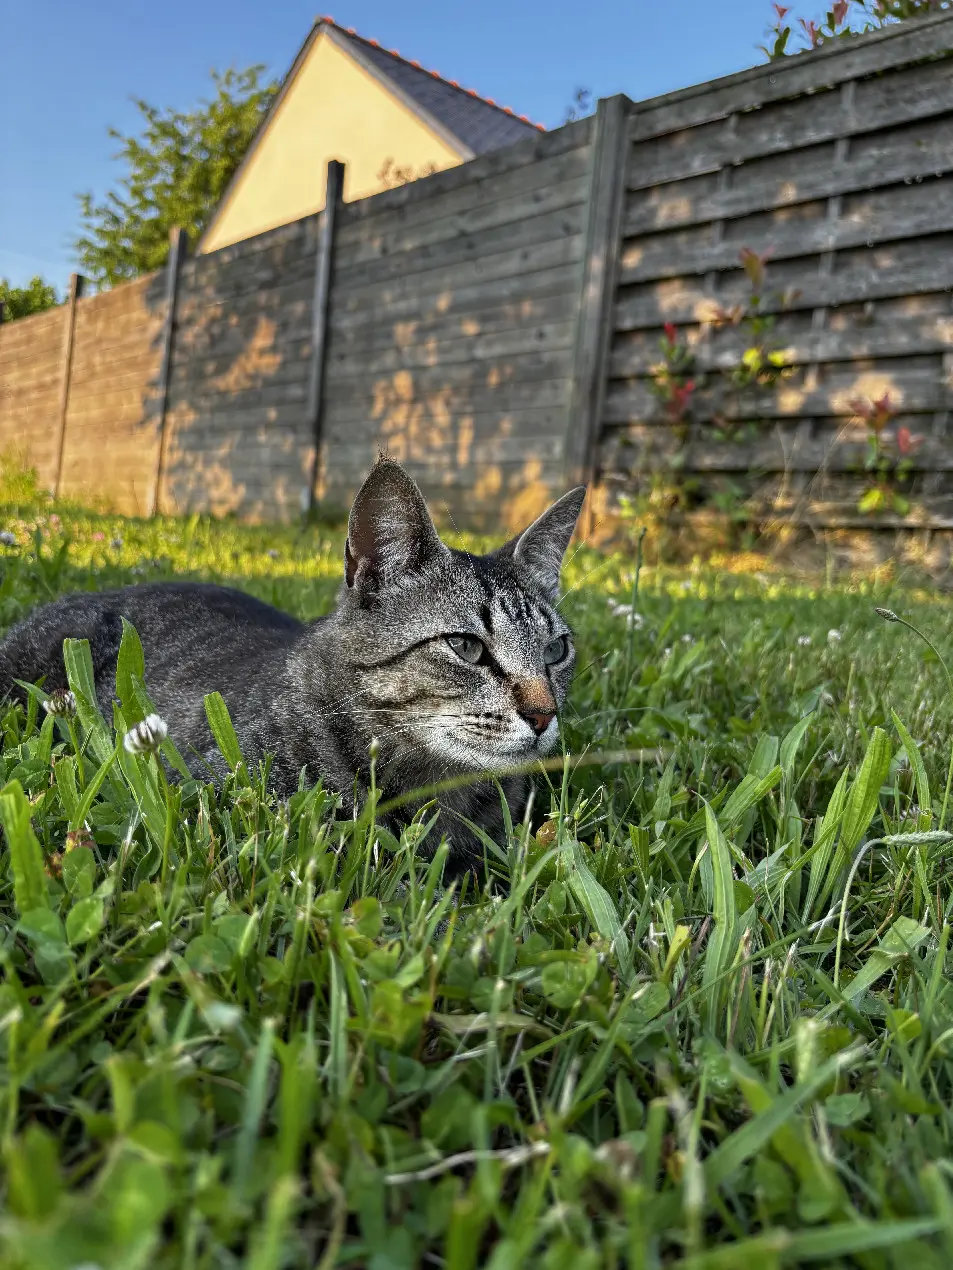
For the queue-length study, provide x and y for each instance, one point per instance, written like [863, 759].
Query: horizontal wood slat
[839, 62]
[810, 177]
[899, 212]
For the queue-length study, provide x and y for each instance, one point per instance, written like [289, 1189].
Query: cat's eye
[466, 646]
[555, 650]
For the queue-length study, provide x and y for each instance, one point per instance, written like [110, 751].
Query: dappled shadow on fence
[783, 328]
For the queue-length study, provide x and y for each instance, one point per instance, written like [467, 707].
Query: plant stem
[74, 741]
[169, 822]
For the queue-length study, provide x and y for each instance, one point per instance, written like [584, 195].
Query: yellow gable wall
[334, 109]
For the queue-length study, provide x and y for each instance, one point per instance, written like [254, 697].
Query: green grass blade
[597, 904]
[223, 730]
[723, 942]
[29, 875]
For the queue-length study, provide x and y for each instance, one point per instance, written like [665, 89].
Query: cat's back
[172, 619]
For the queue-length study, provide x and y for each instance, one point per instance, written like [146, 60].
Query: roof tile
[477, 121]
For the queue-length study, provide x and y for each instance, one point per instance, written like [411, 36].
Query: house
[387, 119]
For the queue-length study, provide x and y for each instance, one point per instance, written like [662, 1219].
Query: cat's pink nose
[538, 720]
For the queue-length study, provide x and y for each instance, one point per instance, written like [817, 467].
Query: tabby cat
[454, 663]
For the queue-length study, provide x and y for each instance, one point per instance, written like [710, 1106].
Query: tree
[392, 175]
[177, 170]
[22, 301]
[579, 107]
[845, 17]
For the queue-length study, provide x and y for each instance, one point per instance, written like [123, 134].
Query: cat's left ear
[389, 531]
[540, 548]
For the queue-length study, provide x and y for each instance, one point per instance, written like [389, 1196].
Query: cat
[453, 663]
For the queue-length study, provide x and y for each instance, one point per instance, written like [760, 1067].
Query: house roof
[471, 124]
[478, 122]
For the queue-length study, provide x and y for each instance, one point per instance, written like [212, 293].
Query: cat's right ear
[389, 531]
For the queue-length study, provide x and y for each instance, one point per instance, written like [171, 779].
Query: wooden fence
[500, 327]
[838, 168]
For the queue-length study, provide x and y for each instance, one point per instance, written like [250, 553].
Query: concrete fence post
[178, 246]
[600, 268]
[77, 284]
[323, 271]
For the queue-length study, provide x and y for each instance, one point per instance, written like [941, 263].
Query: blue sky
[70, 70]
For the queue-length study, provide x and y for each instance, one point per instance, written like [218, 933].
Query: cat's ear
[541, 547]
[389, 531]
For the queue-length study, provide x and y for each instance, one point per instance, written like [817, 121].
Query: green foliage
[700, 1017]
[18, 302]
[19, 482]
[176, 172]
[845, 17]
[391, 174]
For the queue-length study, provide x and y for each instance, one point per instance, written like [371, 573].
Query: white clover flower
[833, 637]
[8, 539]
[634, 620]
[804, 641]
[60, 702]
[147, 736]
[687, 639]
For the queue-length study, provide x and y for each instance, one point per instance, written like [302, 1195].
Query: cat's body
[453, 663]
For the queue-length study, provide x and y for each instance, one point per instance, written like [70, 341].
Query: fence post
[178, 246]
[77, 284]
[600, 269]
[324, 260]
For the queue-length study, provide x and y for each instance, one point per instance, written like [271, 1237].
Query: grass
[701, 1016]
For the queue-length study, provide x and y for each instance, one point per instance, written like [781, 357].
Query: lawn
[698, 1016]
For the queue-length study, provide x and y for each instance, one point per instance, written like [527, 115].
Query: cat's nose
[538, 720]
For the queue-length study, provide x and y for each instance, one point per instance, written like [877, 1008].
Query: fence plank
[913, 337]
[560, 280]
[559, 183]
[494, 318]
[524, 154]
[853, 58]
[928, 268]
[899, 212]
[452, 252]
[911, 390]
[534, 378]
[901, 98]
[503, 345]
[671, 209]
[482, 276]
[838, 447]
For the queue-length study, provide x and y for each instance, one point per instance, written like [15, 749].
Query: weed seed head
[147, 736]
[61, 703]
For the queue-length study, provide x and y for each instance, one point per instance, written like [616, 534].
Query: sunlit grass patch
[700, 1015]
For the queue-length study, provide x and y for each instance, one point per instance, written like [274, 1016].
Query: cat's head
[461, 660]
